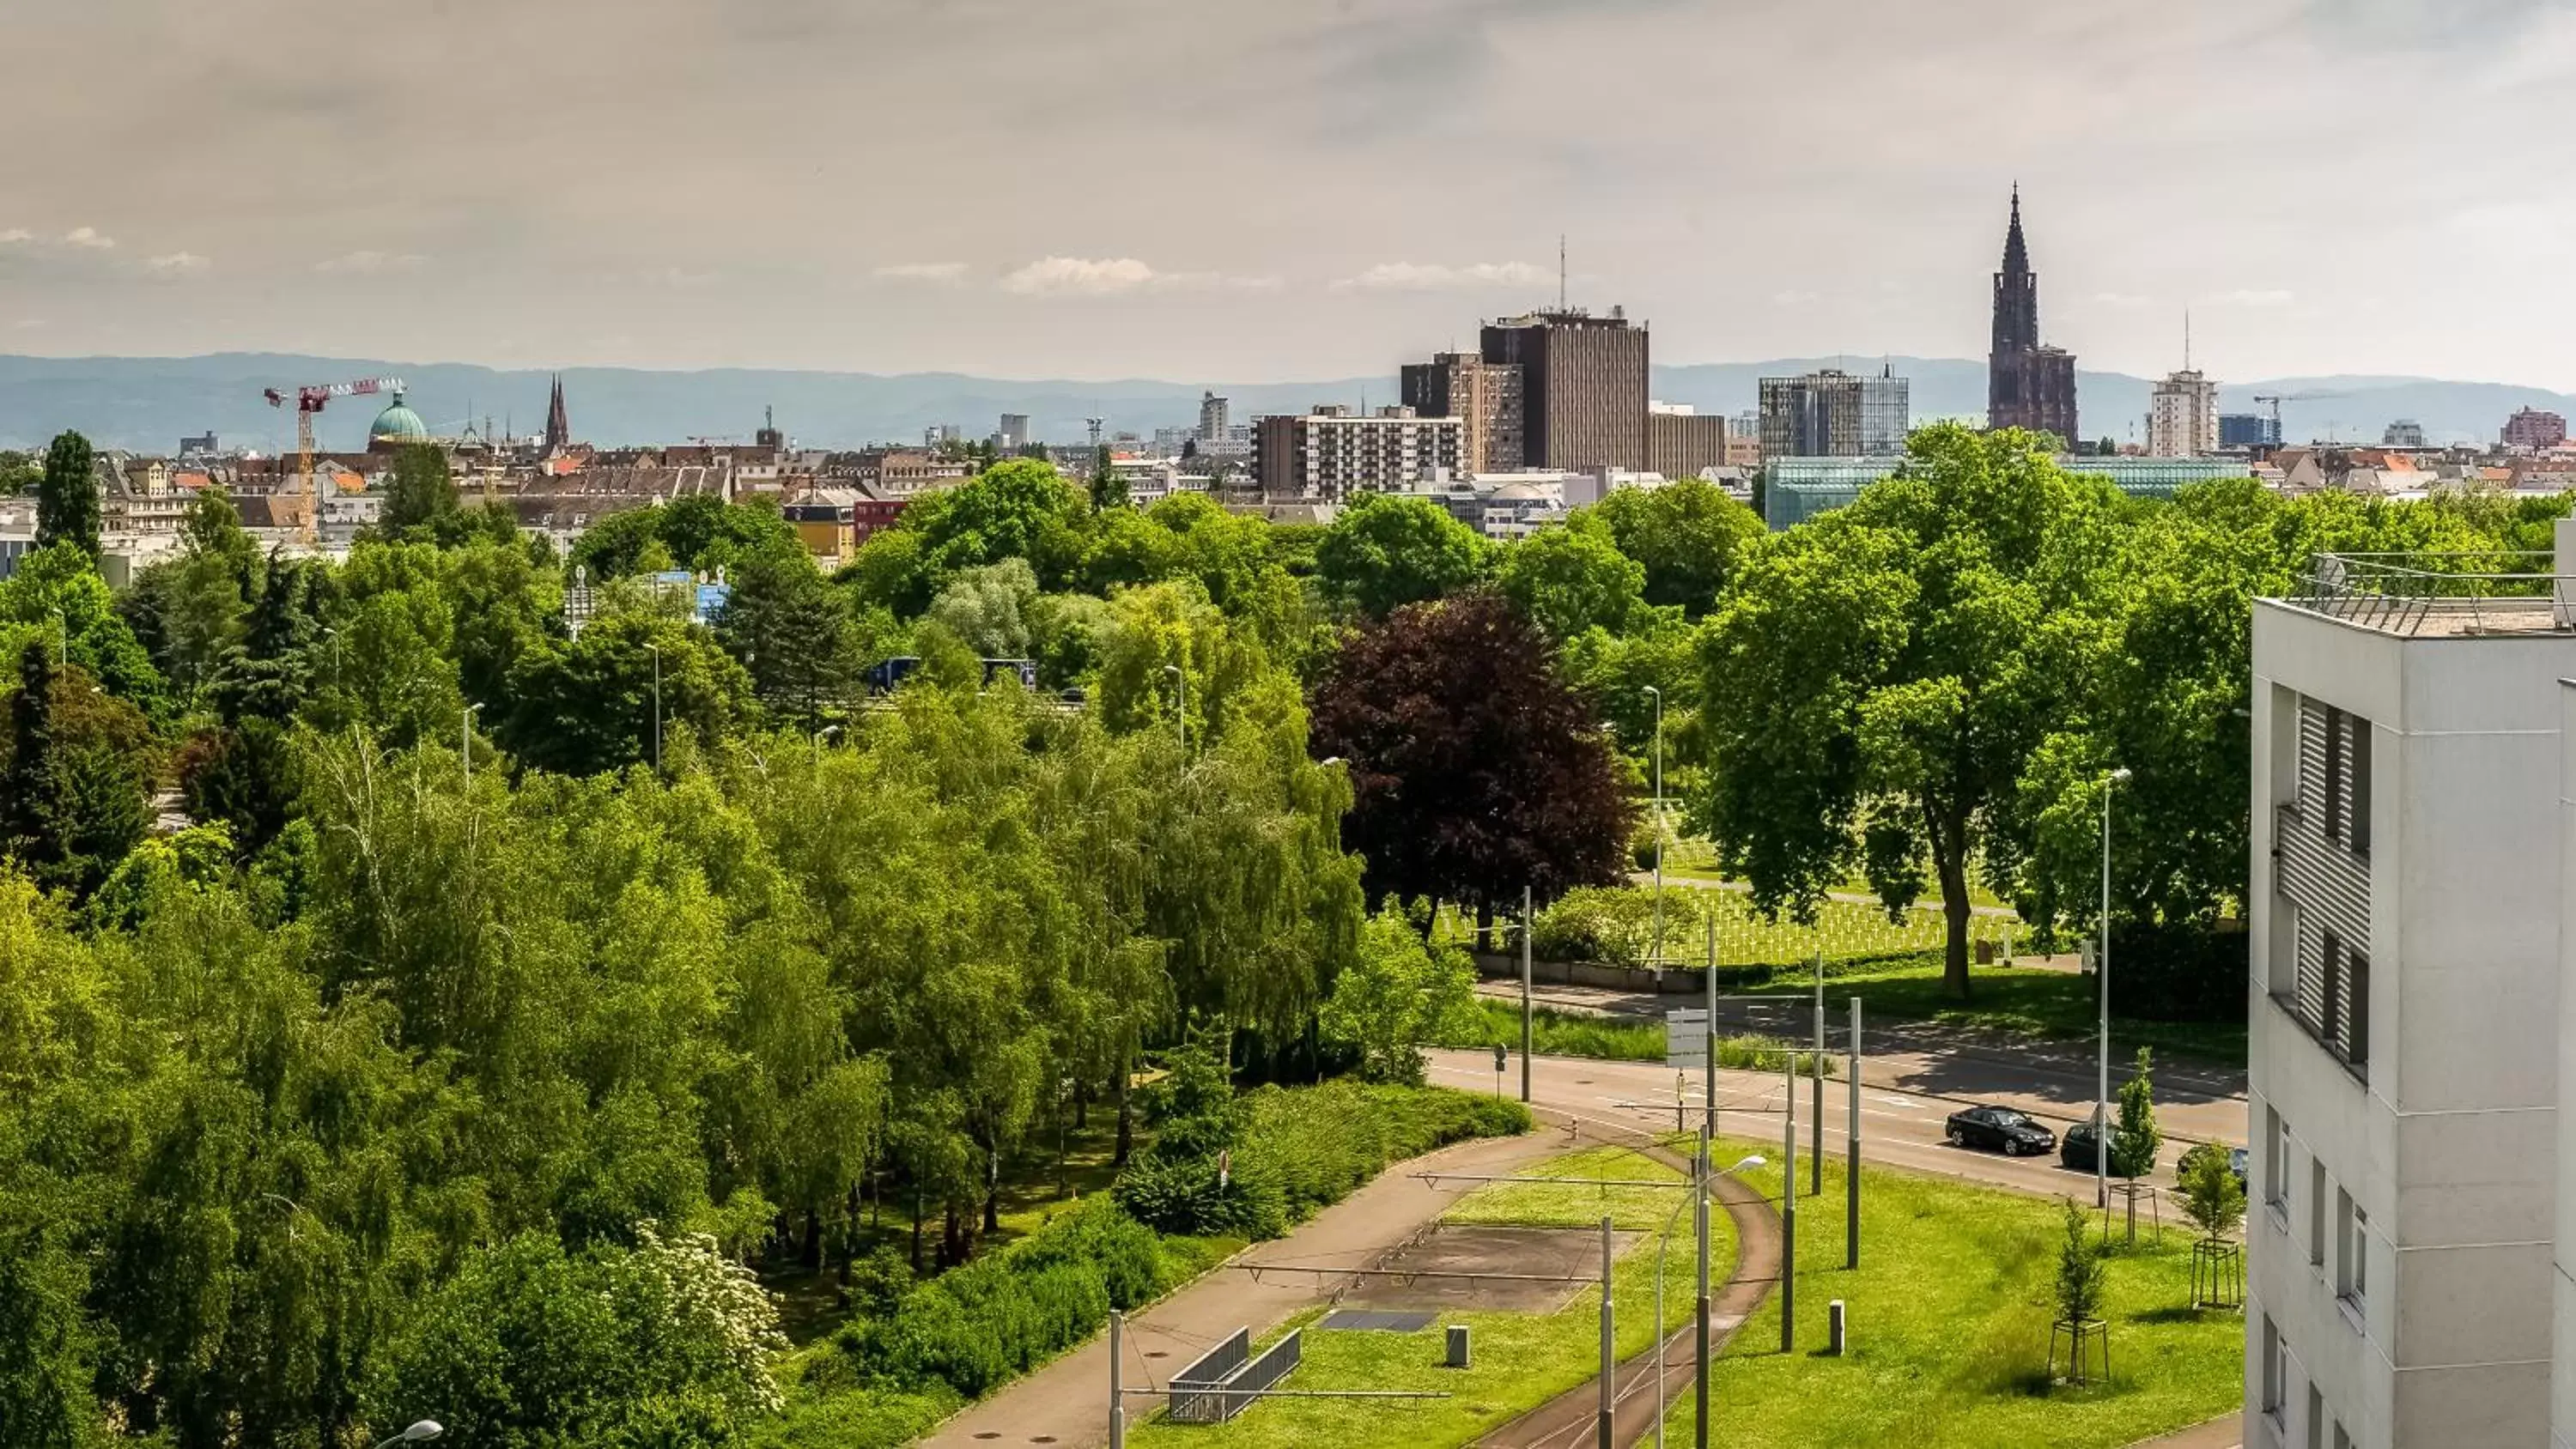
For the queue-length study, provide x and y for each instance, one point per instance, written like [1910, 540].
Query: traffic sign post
[1502, 1059]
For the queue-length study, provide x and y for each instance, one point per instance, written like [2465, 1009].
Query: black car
[2000, 1128]
[2078, 1148]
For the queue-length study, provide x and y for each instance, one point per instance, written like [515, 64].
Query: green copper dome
[398, 424]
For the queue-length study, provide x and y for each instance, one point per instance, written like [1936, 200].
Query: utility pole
[2102, 985]
[1700, 1224]
[1816, 1072]
[1851, 1152]
[1658, 962]
[1789, 1206]
[1609, 1351]
[1117, 1396]
[1526, 922]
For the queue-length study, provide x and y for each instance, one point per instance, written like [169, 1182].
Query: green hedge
[975, 1326]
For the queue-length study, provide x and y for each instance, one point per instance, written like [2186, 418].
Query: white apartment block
[1331, 453]
[2182, 419]
[2405, 1047]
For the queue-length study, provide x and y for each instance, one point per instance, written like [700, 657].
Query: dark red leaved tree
[1476, 768]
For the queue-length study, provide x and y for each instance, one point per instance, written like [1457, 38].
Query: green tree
[78, 790]
[1878, 681]
[1401, 991]
[1388, 550]
[19, 472]
[793, 635]
[67, 502]
[2212, 1199]
[664, 1343]
[1573, 579]
[1686, 535]
[989, 606]
[587, 706]
[2136, 1145]
[1108, 490]
[422, 492]
[2077, 1288]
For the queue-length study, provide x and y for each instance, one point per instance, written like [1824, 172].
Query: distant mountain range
[148, 403]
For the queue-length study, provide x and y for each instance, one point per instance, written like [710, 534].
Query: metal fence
[2478, 591]
[1226, 1380]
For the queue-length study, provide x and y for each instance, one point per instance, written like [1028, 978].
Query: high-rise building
[1014, 434]
[1485, 396]
[1834, 414]
[1583, 386]
[2414, 1218]
[2535, 428]
[2027, 385]
[1212, 417]
[2247, 430]
[1331, 453]
[1681, 442]
[2403, 433]
[2182, 420]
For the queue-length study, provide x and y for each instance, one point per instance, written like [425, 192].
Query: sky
[1256, 190]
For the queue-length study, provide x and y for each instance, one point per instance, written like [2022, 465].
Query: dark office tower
[2027, 385]
[1483, 395]
[1583, 387]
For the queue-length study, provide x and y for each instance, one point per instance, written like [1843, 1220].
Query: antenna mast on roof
[1560, 271]
[2186, 339]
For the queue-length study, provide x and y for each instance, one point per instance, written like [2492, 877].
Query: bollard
[1457, 1346]
[1834, 1328]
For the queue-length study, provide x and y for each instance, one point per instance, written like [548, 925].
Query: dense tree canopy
[1385, 551]
[67, 499]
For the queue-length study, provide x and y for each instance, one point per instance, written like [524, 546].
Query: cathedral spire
[558, 422]
[2016, 251]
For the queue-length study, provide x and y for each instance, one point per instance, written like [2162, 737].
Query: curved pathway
[1571, 1418]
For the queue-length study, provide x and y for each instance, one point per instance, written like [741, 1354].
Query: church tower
[2028, 385]
[558, 423]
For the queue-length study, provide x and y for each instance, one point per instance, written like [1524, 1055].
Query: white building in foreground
[2405, 1076]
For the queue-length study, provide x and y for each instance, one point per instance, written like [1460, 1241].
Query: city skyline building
[1212, 417]
[2247, 430]
[558, 437]
[1488, 397]
[1330, 453]
[1583, 386]
[1682, 442]
[2028, 385]
[2182, 416]
[1835, 414]
[2534, 428]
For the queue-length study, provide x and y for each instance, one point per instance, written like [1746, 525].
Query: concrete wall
[2562, 1286]
[2447, 1139]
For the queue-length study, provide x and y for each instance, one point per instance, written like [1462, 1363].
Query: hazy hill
[148, 403]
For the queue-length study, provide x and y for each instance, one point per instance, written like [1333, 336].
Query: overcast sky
[1280, 189]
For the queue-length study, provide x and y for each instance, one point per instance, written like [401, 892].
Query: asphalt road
[1900, 1128]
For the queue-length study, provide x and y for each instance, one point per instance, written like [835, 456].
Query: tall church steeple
[2027, 385]
[558, 422]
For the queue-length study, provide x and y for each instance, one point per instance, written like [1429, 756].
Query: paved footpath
[1066, 1403]
[2227, 1433]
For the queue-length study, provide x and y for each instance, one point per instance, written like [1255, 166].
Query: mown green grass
[1949, 1319]
[1949, 1316]
[1520, 1360]
[1607, 1038]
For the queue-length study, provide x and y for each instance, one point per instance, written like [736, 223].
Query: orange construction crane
[308, 402]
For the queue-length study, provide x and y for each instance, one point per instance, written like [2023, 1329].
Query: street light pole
[1659, 824]
[1525, 994]
[425, 1429]
[2102, 983]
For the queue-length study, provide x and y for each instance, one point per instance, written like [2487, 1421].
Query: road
[2054, 1080]
[1899, 1128]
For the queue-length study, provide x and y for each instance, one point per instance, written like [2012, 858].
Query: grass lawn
[1520, 1360]
[1949, 1323]
[2024, 1000]
[1617, 1039]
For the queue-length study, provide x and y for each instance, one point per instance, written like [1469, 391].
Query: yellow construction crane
[309, 401]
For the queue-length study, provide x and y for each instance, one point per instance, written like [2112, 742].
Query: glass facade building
[1797, 489]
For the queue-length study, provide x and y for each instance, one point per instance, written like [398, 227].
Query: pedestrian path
[1066, 1403]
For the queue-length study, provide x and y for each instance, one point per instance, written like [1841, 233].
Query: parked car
[2076, 1149]
[2001, 1129]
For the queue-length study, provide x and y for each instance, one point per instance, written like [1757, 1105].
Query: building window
[2316, 1213]
[2329, 1022]
[2356, 1012]
[2276, 1169]
[2316, 1418]
[2333, 776]
[2352, 1250]
[2276, 1373]
[2342, 1440]
[2356, 832]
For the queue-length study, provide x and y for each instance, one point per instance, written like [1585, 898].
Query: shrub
[2212, 1199]
[1001, 1315]
[2078, 1288]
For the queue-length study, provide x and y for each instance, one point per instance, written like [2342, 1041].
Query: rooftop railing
[2442, 592]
